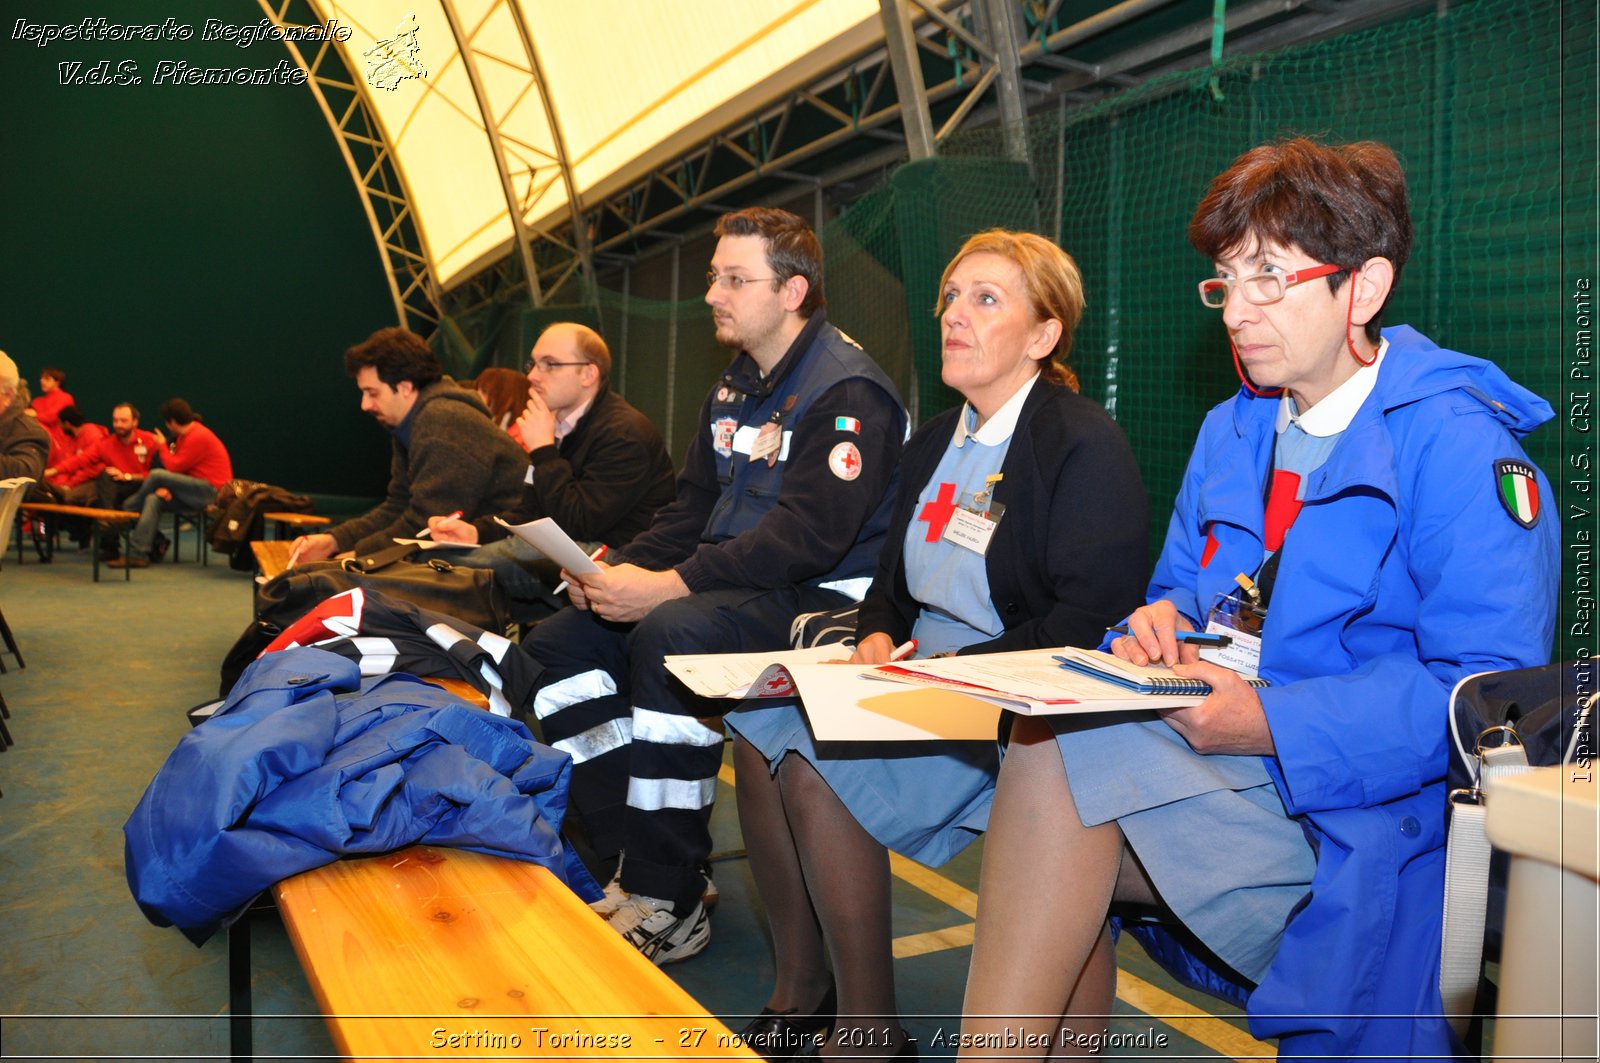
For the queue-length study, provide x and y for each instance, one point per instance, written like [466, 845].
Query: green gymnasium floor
[110, 669]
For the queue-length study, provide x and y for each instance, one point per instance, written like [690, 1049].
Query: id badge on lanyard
[975, 518]
[1239, 614]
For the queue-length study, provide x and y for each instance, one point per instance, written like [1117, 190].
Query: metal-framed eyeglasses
[731, 282]
[1259, 288]
[544, 366]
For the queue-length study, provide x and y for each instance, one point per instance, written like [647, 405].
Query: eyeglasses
[730, 281]
[545, 365]
[1259, 288]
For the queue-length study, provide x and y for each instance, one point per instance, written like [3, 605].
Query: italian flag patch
[1519, 490]
[847, 424]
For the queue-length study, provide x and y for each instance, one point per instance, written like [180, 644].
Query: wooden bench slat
[412, 947]
[113, 516]
[298, 520]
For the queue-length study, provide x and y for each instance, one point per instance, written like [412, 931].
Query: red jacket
[88, 437]
[49, 406]
[133, 457]
[200, 453]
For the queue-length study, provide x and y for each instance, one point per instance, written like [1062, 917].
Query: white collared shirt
[998, 428]
[566, 424]
[1335, 412]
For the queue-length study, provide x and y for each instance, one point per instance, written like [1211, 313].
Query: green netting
[1490, 105]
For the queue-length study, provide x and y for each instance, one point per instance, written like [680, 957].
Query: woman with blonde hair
[1051, 480]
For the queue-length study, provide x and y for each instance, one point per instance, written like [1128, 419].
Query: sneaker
[710, 895]
[652, 928]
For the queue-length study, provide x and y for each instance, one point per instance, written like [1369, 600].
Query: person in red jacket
[52, 399]
[80, 435]
[111, 470]
[192, 471]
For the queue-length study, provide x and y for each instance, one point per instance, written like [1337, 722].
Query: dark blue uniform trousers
[646, 751]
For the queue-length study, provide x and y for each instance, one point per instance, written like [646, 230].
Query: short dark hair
[395, 354]
[131, 409]
[71, 415]
[792, 247]
[1340, 204]
[58, 375]
[178, 412]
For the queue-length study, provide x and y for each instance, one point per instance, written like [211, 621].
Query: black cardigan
[1071, 552]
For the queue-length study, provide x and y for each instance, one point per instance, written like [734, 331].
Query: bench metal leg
[241, 1041]
[11, 642]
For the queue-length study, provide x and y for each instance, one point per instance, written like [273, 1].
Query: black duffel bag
[468, 594]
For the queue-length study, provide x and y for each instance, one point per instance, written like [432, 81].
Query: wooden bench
[121, 519]
[443, 952]
[272, 555]
[429, 951]
[298, 522]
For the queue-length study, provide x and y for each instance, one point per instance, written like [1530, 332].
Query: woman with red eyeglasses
[1362, 523]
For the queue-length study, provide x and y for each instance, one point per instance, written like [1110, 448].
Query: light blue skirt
[925, 800]
[1211, 831]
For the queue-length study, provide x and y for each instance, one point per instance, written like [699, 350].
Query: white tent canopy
[480, 101]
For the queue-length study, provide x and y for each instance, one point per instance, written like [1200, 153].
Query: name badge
[766, 443]
[972, 529]
[1232, 615]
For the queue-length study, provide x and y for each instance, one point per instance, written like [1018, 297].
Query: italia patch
[847, 424]
[722, 430]
[844, 461]
[1518, 488]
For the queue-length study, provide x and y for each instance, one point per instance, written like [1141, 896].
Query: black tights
[825, 884]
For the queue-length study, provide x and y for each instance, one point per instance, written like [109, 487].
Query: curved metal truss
[939, 65]
[380, 182]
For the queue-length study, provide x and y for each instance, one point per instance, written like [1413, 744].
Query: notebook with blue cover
[1150, 679]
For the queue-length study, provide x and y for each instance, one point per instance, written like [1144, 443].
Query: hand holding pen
[1193, 638]
[600, 552]
[1153, 635]
[427, 533]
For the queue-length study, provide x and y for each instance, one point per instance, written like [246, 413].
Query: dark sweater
[24, 444]
[457, 459]
[1070, 555]
[602, 483]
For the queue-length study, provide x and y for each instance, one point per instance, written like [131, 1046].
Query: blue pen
[1197, 638]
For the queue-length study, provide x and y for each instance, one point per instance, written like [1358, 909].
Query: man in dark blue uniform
[780, 509]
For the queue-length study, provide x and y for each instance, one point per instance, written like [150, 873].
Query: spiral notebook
[1150, 679]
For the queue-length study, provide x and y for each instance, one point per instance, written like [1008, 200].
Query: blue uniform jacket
[1403, 573]
[306, 761]
[817, 514]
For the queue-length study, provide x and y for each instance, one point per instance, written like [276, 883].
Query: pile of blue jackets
[307, 761]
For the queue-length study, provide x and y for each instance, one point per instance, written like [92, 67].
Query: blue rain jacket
[306, 762]
[1403, 573]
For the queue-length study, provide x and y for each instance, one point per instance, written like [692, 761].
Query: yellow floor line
[1219, 1036]
[1214, 1033]
[951, 937]
[934, 885]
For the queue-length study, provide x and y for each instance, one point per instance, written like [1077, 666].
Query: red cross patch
[938, 511]
[844, 461]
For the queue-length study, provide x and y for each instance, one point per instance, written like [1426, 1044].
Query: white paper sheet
[546, 536]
